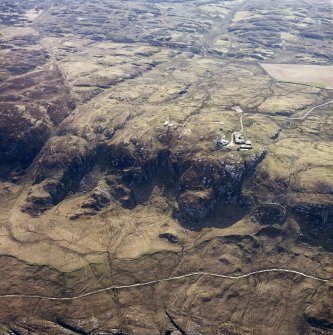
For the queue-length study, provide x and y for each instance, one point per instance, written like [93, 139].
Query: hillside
[166, 143]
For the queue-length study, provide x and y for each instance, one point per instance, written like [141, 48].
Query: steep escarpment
[195, 185]
[34, 99]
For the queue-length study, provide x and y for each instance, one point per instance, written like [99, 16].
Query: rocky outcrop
[170, 237]
[270, 213]
[319, 217]
[316, 221]
[199, 185]
[21, 138]
[60, 169]
[120, 192]
[99, 198]
[196, 205]
[320, 316]
[206, 183]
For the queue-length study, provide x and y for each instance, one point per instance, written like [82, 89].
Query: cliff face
[316, 220]
[199, 185]
[33, 99]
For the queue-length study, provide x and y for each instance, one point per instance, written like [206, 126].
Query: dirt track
[156, 281]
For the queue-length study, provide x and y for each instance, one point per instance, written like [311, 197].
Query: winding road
[156, 281]
[310, 111]
[306, 114]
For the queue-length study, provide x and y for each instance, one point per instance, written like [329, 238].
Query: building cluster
[242, 142]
